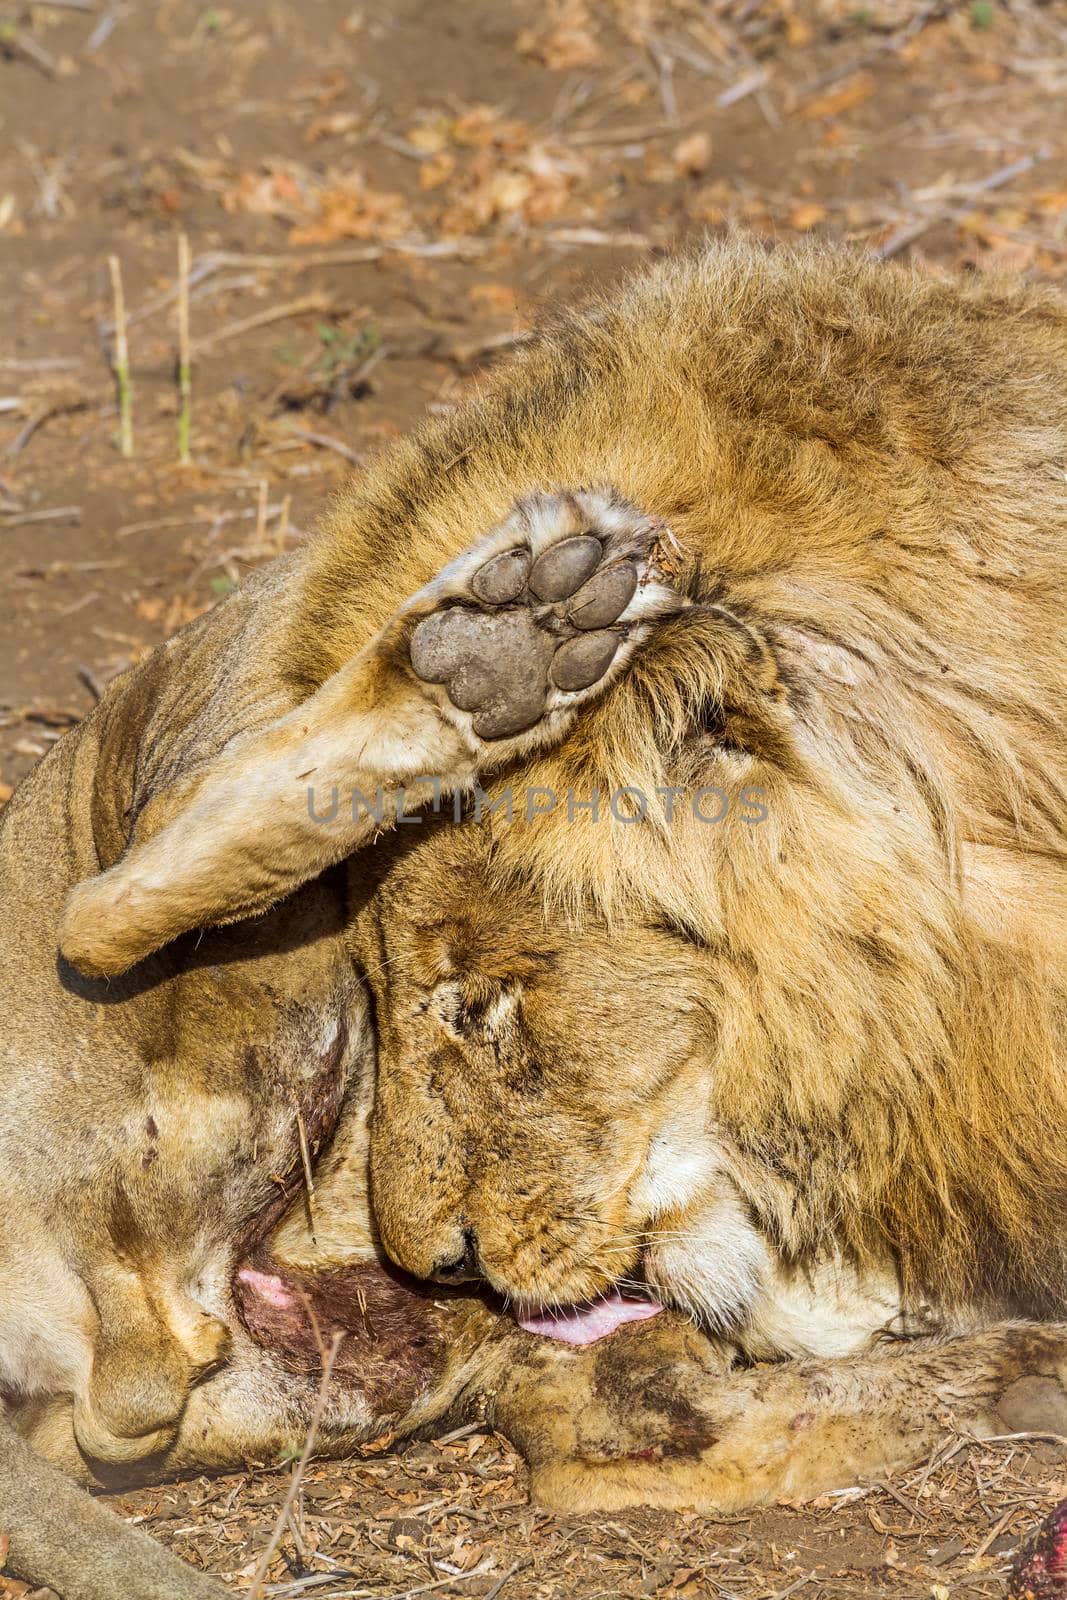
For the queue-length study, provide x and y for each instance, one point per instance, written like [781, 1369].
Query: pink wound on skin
[267, 1287]
[587, 1324]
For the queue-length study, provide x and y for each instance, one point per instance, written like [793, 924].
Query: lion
[802, 1073]
[807, 1077]
[680, 503]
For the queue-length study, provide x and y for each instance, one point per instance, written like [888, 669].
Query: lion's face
[541, 1112]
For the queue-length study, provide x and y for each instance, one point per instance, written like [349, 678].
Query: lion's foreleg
[492, 659]
[655, 1415]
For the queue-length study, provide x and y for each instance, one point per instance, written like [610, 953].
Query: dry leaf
[850, 94]
[430, 137]
[437, 170]
[565, 41]
[806, 215]
[355, 211]
[692, 155]
[483, 126]
[331, 127]
[262, 194]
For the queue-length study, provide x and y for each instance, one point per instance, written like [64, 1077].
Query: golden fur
[865, 468]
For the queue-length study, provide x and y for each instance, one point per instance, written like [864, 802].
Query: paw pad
[518, 630]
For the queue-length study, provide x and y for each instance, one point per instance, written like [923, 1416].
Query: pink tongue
[587, 1324]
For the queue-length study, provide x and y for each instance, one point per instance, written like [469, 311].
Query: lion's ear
[276, 808]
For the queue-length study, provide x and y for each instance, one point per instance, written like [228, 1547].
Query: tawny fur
[865, 468]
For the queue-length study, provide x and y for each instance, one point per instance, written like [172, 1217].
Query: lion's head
[542, 1107]
[568, 1107]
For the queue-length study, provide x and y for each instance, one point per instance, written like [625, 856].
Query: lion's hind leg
[491, 659]
[656, 1415]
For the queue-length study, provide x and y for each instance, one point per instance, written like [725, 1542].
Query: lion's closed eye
[483, 1013]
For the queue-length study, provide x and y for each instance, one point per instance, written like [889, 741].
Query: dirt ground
[377, 197]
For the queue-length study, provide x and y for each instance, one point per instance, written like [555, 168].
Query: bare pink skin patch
[587, 1324]
[268, 1288]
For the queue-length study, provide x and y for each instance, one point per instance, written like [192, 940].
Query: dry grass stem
[121, 358]
[185, 370]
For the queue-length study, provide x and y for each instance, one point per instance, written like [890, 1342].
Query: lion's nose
[464, 1268]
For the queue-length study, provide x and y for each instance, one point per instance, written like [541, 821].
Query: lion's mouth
[289, 1312]
[589, 1322]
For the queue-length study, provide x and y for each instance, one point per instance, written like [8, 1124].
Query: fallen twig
[24, 44]
[255, 1589]
[504, 1577]
[281, 532]
[280, 1590]
[94, 684]
[105, 28]
[55, 408]
[791, 1588]
[261, 319]
[751, 84]
[994, 1533]
[18, 519]
[636, 133]
[40, 364]
[325, 441]
[261, 534]
[903, 236]
[27, 431]
[194, 521]
[216, 260]
[616, 241]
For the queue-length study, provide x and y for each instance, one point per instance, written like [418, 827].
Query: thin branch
[20, 519]
[325, 441]
[301, 1130]
[906, 235]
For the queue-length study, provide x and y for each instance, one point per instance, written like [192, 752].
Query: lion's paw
[543, 613]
